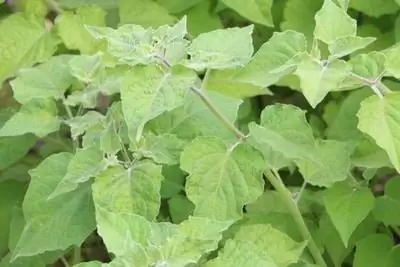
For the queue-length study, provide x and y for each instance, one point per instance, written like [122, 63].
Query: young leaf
[86, 163]
[37, 116]
[386, 206]
[148, 92]
[379, 118]
[256, 11]
[275, 59]
[71, 28]
[23, 42]
[370, 66]
[330, 163]
[332, 23]
[134, 190]
[87, 69]
[348, 207]
[374, 250]
[49, 220]
[257, 239]
[318, 78]
[143, 12]
[221, 49]
[47, 80]
[222, 179]
[346, 45]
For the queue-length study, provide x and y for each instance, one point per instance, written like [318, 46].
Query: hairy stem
[286, 196]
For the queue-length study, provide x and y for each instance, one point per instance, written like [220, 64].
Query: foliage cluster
[199, 133]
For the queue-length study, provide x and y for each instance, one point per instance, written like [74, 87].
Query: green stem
[286, 196]
[71, 116]
[64, 261]
[76, 257]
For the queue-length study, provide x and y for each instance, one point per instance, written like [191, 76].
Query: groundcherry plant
[199, 133]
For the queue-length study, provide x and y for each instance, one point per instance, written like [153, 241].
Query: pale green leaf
[258, 11]
[148, 92]
[87, 69]
[163, 149]
[80, 124]
[370, 66]
[221, 49]
[180, 208]
[72, 30]
[195, 118]
[222, 179]
[298, 15]
[346, 45]
[392, 61]
[85, 164]
[379, 118]
[330, 163]
[347, 207]
[48, 221]
[318, 78]
[200, 12]
[373, 251]
[37, 117]
[269, 247]
[375, 8]
[48, 80]
[275, 59]
[387, 206]
[134, 190]
[283, 131]
[23, 42]
[332, 23]
[144, 12]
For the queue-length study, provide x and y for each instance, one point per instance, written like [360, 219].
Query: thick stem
[286, 196]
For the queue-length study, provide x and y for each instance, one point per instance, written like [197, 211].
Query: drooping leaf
[332, 23]
[47, 221]
[148, 92]
[47, 80]
[134, 190]
[348, 207]
[37, 116]
[275, 59]
[318, 78]
[222, 179]
[221, 49]
[86, 163]
[379, 118]
[72, 30]
[143, 12]
[258, 11]
[387, 205]
[23, 42]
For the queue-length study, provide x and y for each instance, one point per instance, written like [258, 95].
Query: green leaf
[173, 182]
[72, 30]
[177, 6]
[80, 124]
[252, 247]
[258, 11]
[134, 190]
[209, 20]
[195, 118]
[143, 12]
[374, 250]
[48, 221]
[348, 207]
[87, 69]
[392, 63]
[332, 23]
[163, 149]
[180, 208]
[375, 8]
[222, 179]
[48, 80]
[77, 3]
[85, 164]
[23, 42]
[148, 92]
[283, 131]
[214, 50]
[386, 206]
[370, 66]
[346, 45]
[37, 117]
[318, 78]
[330, 163]
[379, 118]
[13, 148]
[275, 58]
